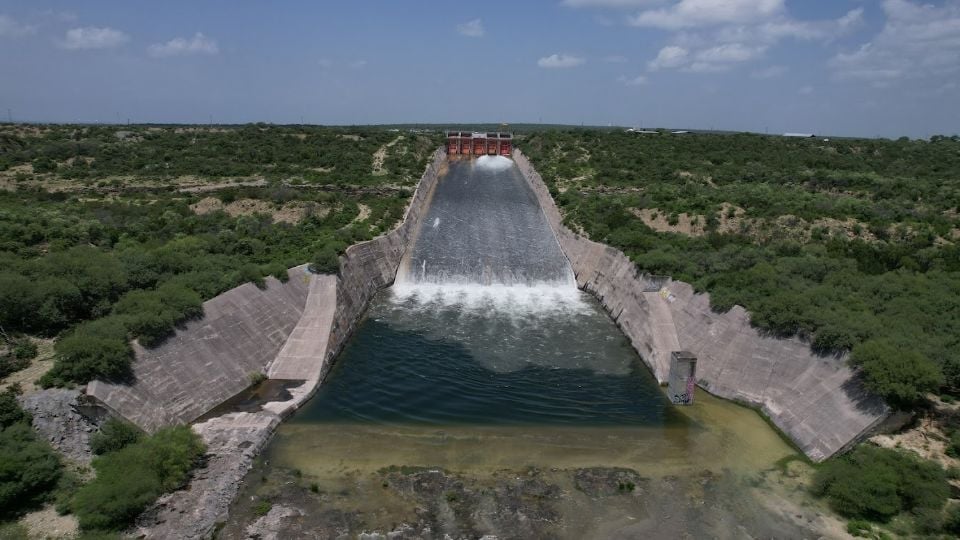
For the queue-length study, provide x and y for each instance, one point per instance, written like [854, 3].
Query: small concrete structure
[683, 377]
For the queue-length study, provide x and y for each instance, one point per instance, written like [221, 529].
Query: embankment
[817, 401]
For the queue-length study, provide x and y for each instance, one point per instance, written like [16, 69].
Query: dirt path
[381, 155]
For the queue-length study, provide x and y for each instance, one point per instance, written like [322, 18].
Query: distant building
[680, 132]
[800, 135]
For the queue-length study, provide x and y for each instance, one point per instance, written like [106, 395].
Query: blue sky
[843, 67]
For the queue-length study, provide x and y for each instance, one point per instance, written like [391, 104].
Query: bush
[951, 523]
[902, 376]
[10, 411]
[98, 349]
[29, 469]
[114, 434]
[24, 349]
[9, 363]
[131, 478]
[877, 483]
[327, 261]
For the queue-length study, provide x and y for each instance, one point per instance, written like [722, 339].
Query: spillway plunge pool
[458, 410]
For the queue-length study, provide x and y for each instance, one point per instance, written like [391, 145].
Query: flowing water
[485, 394]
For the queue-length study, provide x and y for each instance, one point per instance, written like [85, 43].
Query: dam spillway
[485, 227]
[485, 325]
[483, 393]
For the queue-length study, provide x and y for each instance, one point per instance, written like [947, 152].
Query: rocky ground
[424, 503]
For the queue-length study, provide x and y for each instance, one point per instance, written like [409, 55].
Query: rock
[56, 418]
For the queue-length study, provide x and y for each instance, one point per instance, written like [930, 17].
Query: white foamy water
[510, 300]
[494, 163]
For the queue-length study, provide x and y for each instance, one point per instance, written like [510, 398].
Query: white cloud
[615, 59]
[699, 13]
[560, 61]
[179, 46]
[669, 57]
[92, 37]
[918, 41]
[639, 80]
[768, 72]
[472, 28]
[10, 28]
[716, 36]
[805, 90]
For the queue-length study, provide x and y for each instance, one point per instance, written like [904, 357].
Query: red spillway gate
[467, 143]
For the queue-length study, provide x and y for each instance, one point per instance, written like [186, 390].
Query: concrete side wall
[210, 359]
[277, 331]
[368, 267]
[333, 309]
[818, 402]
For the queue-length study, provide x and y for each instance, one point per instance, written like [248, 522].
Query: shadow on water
[393, 376]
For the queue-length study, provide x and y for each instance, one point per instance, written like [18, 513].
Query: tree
[98, 349]
[902, 376]
[28, 468]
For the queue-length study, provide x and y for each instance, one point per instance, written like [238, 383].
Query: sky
[885, 68]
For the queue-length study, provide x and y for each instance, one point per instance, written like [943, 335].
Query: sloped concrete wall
[210, 360]
[370, 266]
[277, 331]
[817, 401]
[333, 309]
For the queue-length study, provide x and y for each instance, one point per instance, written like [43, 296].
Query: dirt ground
[47, 524]
[28, 377]
[381, 155]
[291, 213]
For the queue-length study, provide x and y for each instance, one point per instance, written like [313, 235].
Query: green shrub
[859, 527]
[327, 261]
[877, 483]
[29, 469]
[953, 445]
[262, 508]
[951, 523]
[131, 478]
[114, 434]
[24, 349]
[10, 411]
[902, 376]
[98, 349]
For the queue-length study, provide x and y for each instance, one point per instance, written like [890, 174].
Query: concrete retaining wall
[288, 330]
[211, 359]
[816, 401]
[333, 308]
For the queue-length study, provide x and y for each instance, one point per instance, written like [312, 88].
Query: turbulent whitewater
[485, 227]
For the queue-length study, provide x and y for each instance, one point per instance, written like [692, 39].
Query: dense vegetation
[101, 242]
[852, 244]
[878, 484]
[29, 468]
[133, 475]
